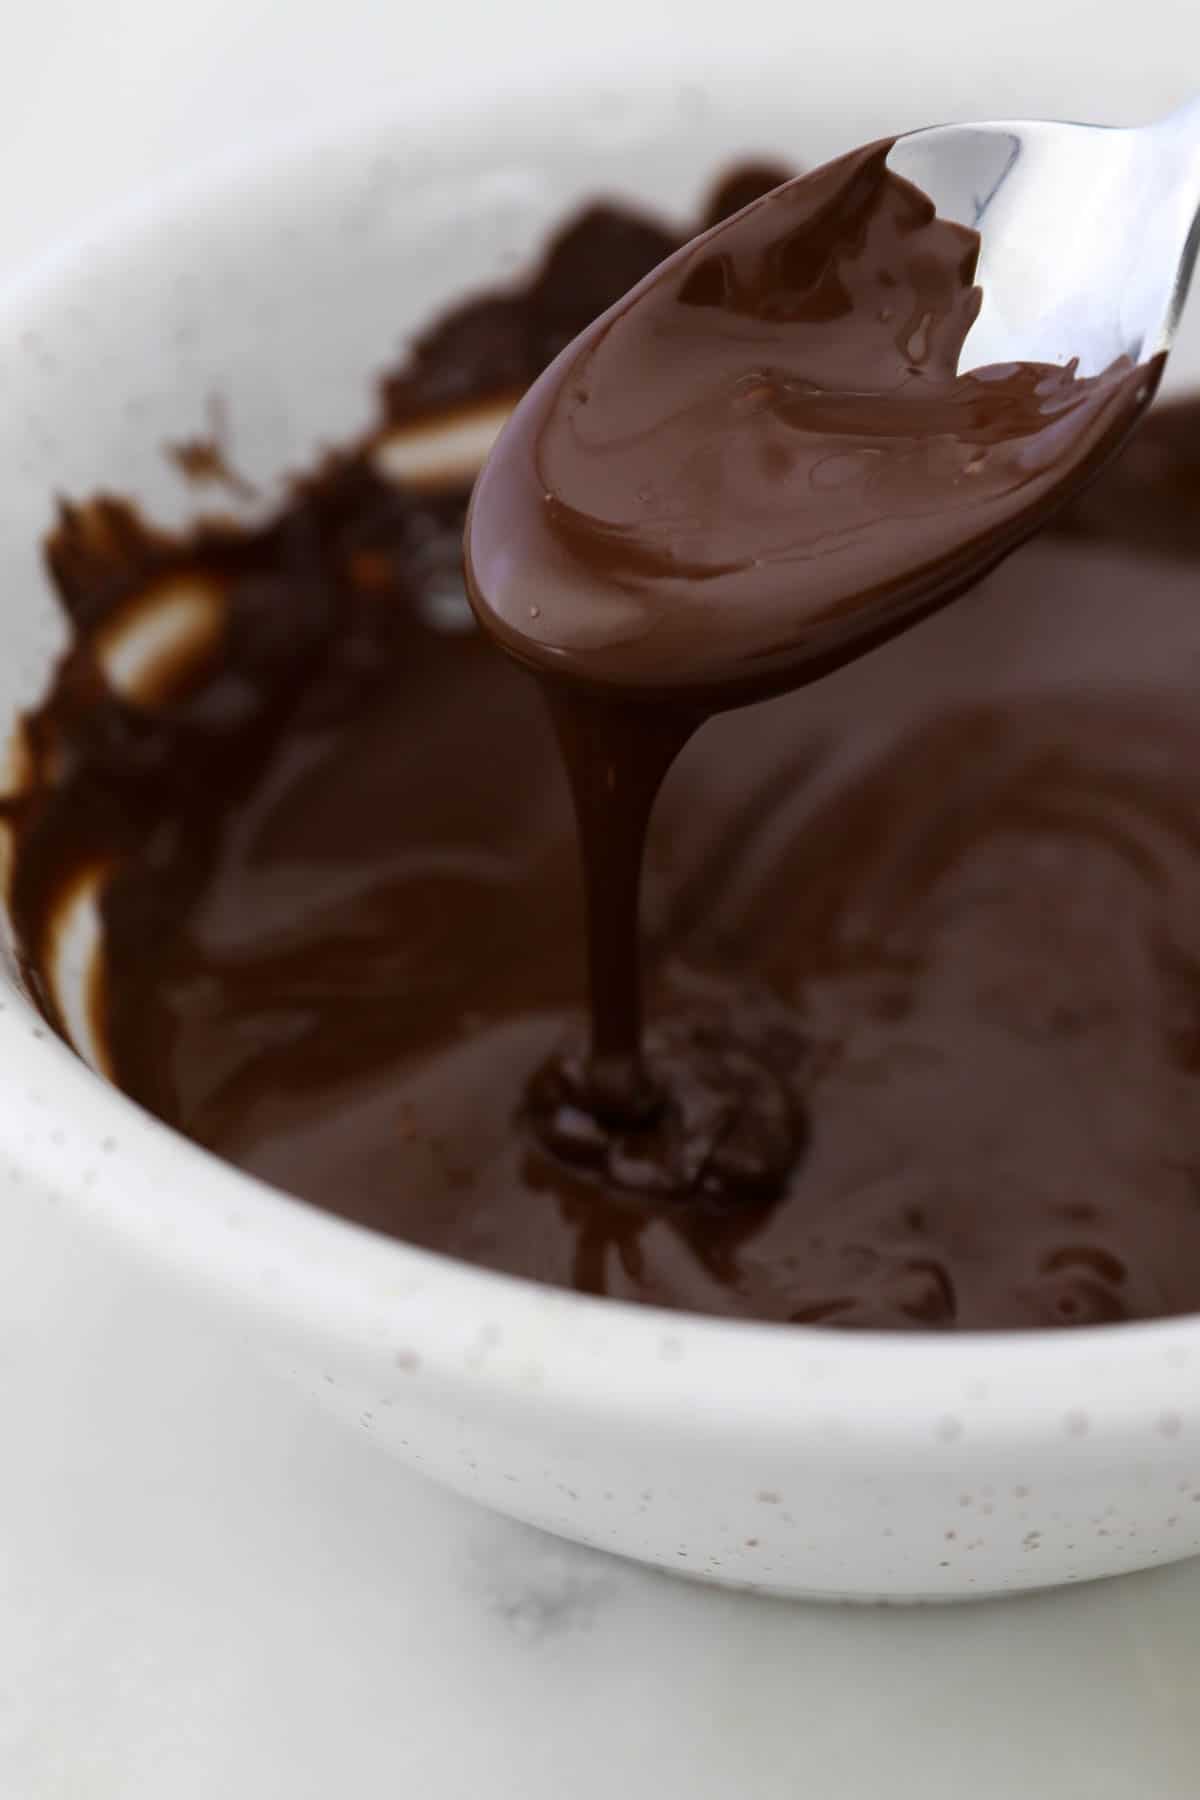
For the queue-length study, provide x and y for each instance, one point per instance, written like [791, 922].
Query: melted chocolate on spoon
[758, 465]
[950, 896]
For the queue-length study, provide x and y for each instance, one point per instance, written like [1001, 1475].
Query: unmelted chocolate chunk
[949, 898]
[498, 343]
[760, 463]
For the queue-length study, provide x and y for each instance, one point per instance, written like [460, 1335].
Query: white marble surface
[208, 1591]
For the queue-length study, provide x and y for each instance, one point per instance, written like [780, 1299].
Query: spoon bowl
[835, 410]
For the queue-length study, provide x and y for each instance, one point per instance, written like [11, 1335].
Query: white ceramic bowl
[795, 1460]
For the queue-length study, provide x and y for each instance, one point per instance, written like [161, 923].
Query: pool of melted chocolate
[950, 895]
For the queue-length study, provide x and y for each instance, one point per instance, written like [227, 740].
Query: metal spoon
[1089, 233]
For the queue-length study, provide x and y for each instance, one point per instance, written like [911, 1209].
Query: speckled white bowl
[788, 1459]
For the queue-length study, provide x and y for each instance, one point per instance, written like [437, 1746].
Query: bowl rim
[83, 1140]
